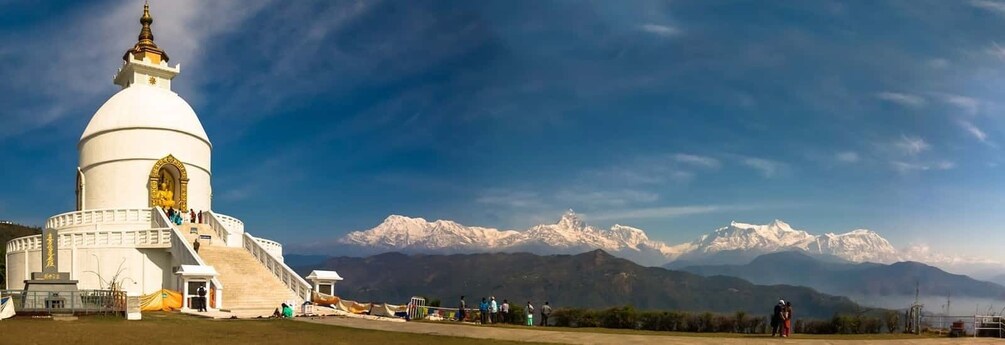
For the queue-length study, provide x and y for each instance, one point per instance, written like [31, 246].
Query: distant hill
[7, 233]
[864, 282]
[593, 279]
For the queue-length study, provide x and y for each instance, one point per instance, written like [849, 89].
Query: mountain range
[884, 285]
[737, 243]
[593, 279]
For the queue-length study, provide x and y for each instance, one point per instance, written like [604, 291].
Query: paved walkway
[565, 337]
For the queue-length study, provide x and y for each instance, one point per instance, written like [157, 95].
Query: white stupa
[143, 153]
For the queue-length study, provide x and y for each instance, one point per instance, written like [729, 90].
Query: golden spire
[145, 47]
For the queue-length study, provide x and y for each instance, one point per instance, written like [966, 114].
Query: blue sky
[672, 116]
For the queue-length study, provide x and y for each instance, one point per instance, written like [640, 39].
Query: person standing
[787, 320]
[530, 314]
[461, 311]
[202, 298]
[493, 310]
[200, 216]
[483, 310]
[776, 318]
[545, 312]
[195, 245]
[504, 310]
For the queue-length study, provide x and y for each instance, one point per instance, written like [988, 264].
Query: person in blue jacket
[484, 309]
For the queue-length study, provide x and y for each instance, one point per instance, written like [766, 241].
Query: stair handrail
[291, 279]
[185, 253]
[216, 223]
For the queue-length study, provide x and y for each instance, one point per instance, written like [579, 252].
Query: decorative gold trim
[182, 181]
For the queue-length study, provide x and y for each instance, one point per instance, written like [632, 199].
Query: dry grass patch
[175, 328]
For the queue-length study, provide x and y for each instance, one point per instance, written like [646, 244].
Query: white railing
[103, 216]
[233, 224]
[186, 255]
[24, 243]
[222, 233]
[148, 238]
[291, 279]
[272, 247]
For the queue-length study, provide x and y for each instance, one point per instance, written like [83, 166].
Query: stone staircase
[203, 230]
[248, 286]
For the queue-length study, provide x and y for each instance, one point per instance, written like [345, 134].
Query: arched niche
[169, 181]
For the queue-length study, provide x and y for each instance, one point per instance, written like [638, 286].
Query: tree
[892, 320]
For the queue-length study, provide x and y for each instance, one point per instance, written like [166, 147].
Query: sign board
[205, 237]
[50, 257]
[133, 308]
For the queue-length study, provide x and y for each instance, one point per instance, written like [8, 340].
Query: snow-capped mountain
[570, 235]
[736, 243]
[740, 242]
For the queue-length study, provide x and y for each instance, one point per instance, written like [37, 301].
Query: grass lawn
[175, 328]
[883, 336]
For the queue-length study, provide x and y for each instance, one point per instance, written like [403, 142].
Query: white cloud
[661, 30]
[767, 168]
[975, 131]
[938, 63]
[846, 157]
[511, 198]
[654, 212]
[106, 30]
[903, 99]
[700, 161]
[601, 198]
[993, 6]
[911, 145]
[967, 104]
[906, 167]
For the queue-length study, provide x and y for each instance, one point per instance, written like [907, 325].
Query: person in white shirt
[493, 310]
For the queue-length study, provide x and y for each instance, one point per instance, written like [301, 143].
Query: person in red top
[787, 319]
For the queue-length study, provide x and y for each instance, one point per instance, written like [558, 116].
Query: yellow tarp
[325, 299]
[164, 299]
[387, 309]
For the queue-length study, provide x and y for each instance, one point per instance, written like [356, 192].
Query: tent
[6, 307]
[164, 299]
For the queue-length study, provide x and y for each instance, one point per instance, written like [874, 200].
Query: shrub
[624, 317]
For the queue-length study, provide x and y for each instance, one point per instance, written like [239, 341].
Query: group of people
[493, 312]
[781, 319]
[179, 216]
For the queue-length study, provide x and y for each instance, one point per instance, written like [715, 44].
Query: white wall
[144, 271]
[117, 164]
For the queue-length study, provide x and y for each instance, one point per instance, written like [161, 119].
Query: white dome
[142, 106]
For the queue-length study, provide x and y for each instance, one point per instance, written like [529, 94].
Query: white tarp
[6, 308]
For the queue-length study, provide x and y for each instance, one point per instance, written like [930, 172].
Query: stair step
[248, 284]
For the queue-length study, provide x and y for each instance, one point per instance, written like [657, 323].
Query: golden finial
[145, 46]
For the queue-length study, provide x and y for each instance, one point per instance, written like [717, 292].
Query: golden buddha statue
[164, 197]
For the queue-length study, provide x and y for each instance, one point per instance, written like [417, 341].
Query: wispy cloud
[511, 198]
[182, 28]
[846, 157]
[661, 30]
[969, 105]
[993, 6]
[766, 167]
[973, 130]
[906, 167]
[911, 145]
[699, 161]
[903, 99]
[605, 198]
[654, 212]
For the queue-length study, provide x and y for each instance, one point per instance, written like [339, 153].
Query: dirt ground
[581, 337]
